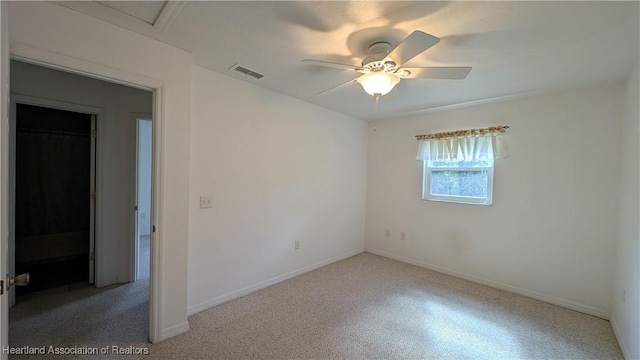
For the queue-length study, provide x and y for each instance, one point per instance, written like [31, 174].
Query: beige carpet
[370, 307]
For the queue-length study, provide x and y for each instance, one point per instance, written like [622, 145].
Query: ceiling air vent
[248, 72]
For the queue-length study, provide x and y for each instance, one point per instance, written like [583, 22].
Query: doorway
[143, 227]
[54, 207]
[58, 315]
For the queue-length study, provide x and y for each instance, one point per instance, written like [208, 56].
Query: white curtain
[469, 147]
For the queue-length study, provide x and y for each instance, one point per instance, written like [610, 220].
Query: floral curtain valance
[475, 144]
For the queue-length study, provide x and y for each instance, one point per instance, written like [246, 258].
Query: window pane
[460, 183]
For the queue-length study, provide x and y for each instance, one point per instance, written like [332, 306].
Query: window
[464, 181]
[458, 165]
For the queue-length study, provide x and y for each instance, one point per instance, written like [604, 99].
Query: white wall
[46, 32]
[145, 137]
[279, 170]
[115, 167]
[550, 230]
[625, 317]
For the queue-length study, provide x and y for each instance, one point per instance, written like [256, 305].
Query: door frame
[157, 87]
[96, 155]
[4, 171]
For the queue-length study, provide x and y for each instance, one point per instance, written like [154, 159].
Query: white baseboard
[498, 285]
[174, 330]
[263, 284]
[618, 332]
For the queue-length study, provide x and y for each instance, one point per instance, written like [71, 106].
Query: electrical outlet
[387, 233]
[402, 235]
[206, 202]
[297, 245]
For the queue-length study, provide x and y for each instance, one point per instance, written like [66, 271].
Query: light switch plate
[205, 202]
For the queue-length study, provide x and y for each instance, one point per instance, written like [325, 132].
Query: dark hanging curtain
[52, 171]
[53, 186]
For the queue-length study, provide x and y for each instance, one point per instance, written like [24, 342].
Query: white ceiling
[514, 47]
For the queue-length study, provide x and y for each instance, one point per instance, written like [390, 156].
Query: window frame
[474, 200]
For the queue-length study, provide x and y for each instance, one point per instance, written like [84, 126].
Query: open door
[142, 214]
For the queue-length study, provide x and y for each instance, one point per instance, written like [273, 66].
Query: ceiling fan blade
[412, 46]
[333, 65]
[330, 90]
[454, 73]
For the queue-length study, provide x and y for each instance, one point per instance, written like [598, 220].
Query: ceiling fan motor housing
[377, 60]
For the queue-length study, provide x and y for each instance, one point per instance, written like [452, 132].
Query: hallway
[81, 315]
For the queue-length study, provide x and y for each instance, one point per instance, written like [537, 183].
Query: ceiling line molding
[479, 102]
[497, 99]
[168, 15]
[112, 16]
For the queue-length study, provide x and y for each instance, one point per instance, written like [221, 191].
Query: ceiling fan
[382, 69]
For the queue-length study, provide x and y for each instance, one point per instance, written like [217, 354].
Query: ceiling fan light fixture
[378, 83]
